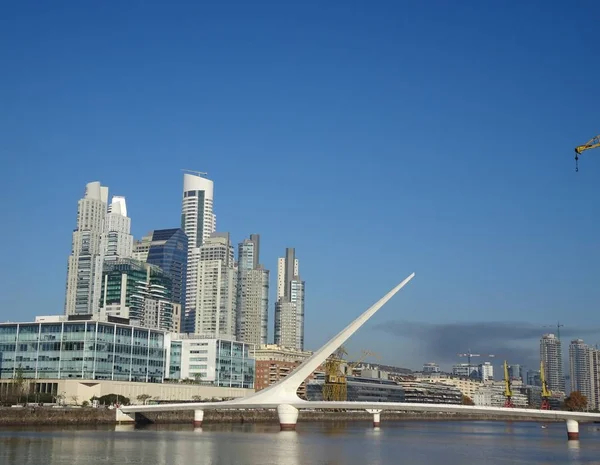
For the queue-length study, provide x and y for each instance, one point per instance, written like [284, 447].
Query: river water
[352, 443]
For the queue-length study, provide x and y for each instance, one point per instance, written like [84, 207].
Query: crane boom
[591, 144]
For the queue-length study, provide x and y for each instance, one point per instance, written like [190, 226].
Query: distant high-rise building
[515, 372]
[581, 370]
[140, 292]
[551, 355]
[486, 371]
[533, 378]
[82, 293]
[289, 308]
[141, 247]
[252, 294]
[198, 221]
[117, 240]
[167, 248]
[216, 288]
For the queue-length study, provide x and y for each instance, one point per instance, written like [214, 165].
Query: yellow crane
[592, 144]
[507, 388]
[335, 387]
[545, 391]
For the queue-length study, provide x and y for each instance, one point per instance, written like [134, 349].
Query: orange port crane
[545, 392]
[591, 144]
[508, 403]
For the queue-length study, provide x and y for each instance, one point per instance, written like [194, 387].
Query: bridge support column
[198, 417]
[572, 429]
[288, 417]
[122, 417]
[376, 416]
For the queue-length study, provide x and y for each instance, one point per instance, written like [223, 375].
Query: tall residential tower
[551, 355]
[289, 308]
[252, 294]
[215, 288]
[82, 293]
[198, 222]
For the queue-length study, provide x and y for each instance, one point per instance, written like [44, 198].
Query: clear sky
[378, 138]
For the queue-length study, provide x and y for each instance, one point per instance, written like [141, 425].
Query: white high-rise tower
[117, 240]
[198, 222]
[82, 294]
[289, 308]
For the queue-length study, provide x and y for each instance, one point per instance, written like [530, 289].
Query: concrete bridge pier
[198, 417]
[122, 417]
[288, 417]
[376, 416]
[572, 429]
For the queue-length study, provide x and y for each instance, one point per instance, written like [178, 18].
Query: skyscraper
[82, 293]
[551, 355]
[198, 222]
[117, 240]
[216, 288]
[168, 250]
[581, 370]
[252, 294]
[289, 308]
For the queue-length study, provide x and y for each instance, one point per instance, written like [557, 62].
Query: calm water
[410, 443]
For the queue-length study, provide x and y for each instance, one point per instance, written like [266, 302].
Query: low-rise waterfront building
[434, 393]
[360, 389]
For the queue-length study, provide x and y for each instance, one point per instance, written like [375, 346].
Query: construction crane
[592, 144]
[469, 355]
[557, 326]
[508, 403]
[335, 387]
[545, 392]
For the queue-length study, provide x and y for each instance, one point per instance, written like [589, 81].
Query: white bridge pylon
[282, 395]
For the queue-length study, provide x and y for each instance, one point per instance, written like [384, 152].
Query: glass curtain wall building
[82, 349]
[168, 250]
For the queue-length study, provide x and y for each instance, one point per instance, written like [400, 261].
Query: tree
[466, 400]
[576, 402]
[111, 399]
[85, 404]
[75, 399]
[18, 382]
[143, 398]
[197, 398]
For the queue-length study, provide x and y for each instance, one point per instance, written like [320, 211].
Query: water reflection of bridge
[282, 395]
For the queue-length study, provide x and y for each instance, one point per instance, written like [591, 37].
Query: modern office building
[515, 372]
[289, 308]
[167, 249]
[582, 371]
[551, 355]
[198, 221]
[486, 371]
[433, 393]
[215, 288]
[141, 247]
[140, 292]
[431, 368]
[252, 294]
[86, 252]
[219, 362]
[61, 349]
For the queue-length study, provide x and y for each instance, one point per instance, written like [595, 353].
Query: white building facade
[198, 221]
[86, 252]
[215, 288]
[551, 355]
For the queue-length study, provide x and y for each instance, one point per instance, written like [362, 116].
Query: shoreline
[91, 416]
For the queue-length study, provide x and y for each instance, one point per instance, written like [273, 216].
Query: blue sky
[378, 138]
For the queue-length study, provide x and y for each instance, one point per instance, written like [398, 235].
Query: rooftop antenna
[197, 173]
[558, 326]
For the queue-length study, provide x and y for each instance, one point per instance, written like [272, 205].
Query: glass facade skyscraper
[168, 250]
